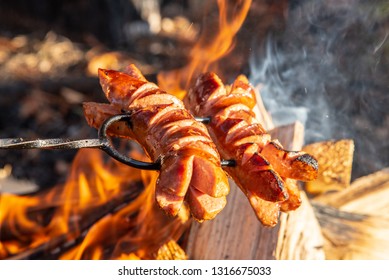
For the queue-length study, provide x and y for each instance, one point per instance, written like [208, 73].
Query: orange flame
[208, 50]
[131, 232]
[91, 184]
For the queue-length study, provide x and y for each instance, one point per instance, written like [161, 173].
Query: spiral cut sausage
[263, 168]
[190, 163]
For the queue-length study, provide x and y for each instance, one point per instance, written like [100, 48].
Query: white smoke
[328, 70]
[293, 88]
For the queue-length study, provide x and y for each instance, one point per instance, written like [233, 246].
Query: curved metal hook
[110, 149]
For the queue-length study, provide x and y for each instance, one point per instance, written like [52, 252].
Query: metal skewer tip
[228, 163]
[204, 120]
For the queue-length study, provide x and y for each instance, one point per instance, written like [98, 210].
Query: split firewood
[353, 236]
[300, 236]
[366, 195]
[335, 159]
[354, 221]
[171, 251]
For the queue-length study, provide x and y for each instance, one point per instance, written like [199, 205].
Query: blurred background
[324, 63]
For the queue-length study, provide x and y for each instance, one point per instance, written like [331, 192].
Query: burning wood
[92, 216]
[131, 231]
[55, 246]
[64, 213]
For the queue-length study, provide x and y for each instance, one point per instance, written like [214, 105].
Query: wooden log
[234, 234]
[168, 251]
[171, 251]
[355, 221]
[335, 159]
[237, 234]
[366, 195]
[300, 236]
[53, 247]
[353, 236]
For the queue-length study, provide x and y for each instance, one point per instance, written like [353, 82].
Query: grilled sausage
[263, 168]
[190, 162]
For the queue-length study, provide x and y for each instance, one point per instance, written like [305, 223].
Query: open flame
[207, 52]
[106, 210]
[88, 202]
[30, 221]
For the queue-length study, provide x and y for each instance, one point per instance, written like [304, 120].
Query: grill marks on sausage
[263, 167]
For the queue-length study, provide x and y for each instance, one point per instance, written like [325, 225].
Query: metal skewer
[103, 142]
[204, 120]
[53, 143]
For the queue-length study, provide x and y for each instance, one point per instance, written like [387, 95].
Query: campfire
[209, 164]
